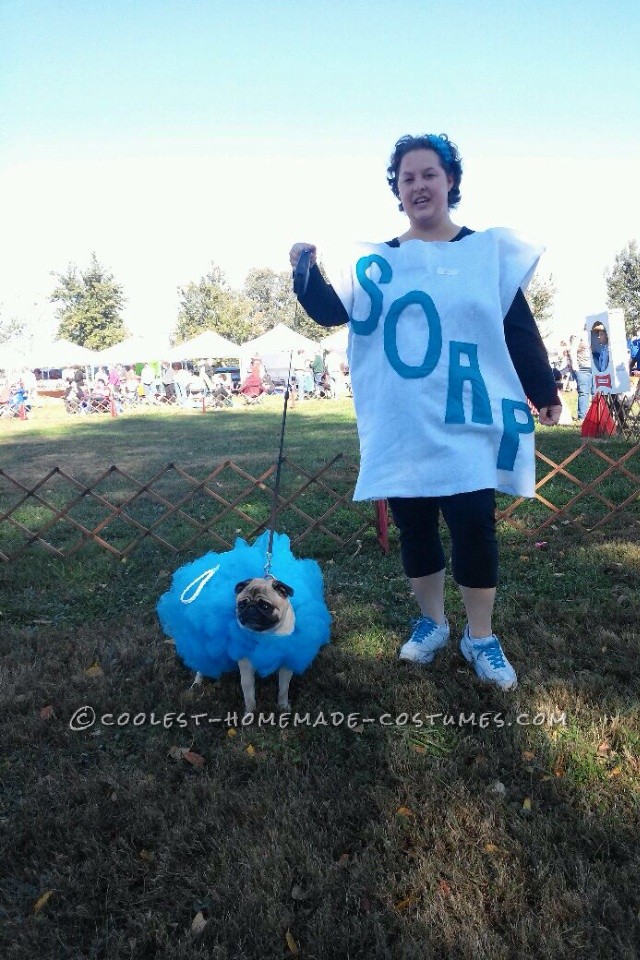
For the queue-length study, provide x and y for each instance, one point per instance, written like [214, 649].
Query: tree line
[90, 303]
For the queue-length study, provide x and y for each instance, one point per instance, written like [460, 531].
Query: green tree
[211, 304]
[274, 302]
[272, 297]
[540, 296]
[10, 328]
[90, 304]
[623, 285]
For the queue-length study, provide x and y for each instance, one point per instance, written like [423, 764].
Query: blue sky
[167, 134]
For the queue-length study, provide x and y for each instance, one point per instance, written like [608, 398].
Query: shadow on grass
[142, 443]
[377, 841]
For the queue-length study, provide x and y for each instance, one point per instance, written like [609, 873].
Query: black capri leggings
[471, 520]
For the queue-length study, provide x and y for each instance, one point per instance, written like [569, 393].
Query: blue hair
[440, 144]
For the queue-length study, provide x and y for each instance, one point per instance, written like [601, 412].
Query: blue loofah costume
[198, 612]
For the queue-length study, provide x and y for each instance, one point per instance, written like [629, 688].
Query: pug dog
[263, 606]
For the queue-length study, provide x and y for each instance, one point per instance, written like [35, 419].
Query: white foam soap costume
[428, 359]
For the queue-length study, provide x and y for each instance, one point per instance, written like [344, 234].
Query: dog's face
[262, 604]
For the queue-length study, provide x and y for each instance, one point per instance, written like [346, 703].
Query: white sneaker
[427, 638]
[489, 661]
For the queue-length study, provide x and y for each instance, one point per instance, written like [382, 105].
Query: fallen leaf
[615, 772]
[194, 758]
[293, 946]
[343, 858]
[444, 888]
[251, 750]
[147, 855]
[40, 902]
[419, 749]
[178, 752]
[95, 670]
[528, 755]
[404, 812]
[198, 923]
[46, 713]
[403, 904]
[526, 803]
[604, 748]
[491, 848]
[232, 732]
[359, 728]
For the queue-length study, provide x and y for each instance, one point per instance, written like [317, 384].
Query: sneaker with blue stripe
[427, 638]
[489, 661]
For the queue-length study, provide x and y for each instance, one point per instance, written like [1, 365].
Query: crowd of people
[155, 383]
[119, 387]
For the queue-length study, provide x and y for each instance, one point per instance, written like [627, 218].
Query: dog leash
[276, 486]
[300, 281]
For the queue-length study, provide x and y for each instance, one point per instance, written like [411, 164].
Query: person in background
[335, 372]
[252, 387]
[205, 379]
[182, 379]
[301, 371]
[601, 356]
[30, 384]
[317, 368]
[168, 382]
[633, 345]
[580, 350]
[461, 293]
[147, 379]
[115, 378]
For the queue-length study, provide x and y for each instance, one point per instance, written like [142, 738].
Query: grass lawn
[504, 826]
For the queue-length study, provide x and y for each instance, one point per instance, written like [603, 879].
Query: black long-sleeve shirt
[521, 334]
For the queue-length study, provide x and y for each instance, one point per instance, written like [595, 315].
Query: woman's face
[424, 187]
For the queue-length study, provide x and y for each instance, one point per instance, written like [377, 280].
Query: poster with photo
[610, 358]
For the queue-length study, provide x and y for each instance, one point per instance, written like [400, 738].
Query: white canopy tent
[275, 348]
[133, 350]
[205, 345]
[337, 341]
[61, 353]
[13, 356]
[45, 356]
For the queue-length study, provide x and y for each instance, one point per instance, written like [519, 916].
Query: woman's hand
[297, 249]
[549, 416]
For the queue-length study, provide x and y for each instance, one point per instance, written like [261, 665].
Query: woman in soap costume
[444, 354]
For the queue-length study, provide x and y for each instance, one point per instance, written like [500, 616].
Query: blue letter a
[458, 376]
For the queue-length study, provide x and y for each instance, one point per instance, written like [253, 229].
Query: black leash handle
[301, 273]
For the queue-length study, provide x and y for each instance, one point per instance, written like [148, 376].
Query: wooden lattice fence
[178, 512]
